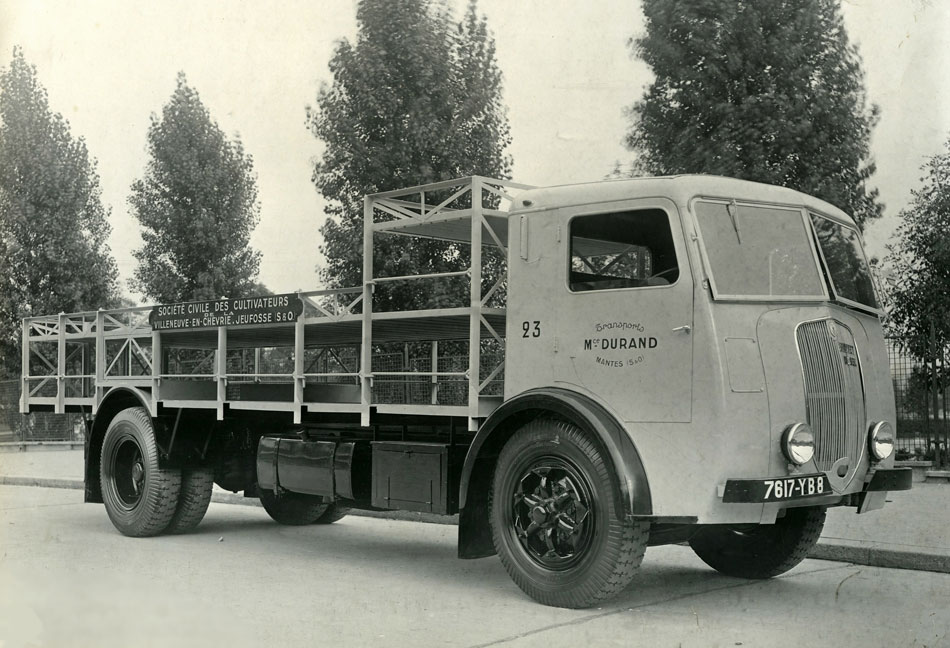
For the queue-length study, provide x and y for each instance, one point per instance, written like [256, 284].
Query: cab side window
[629, 249]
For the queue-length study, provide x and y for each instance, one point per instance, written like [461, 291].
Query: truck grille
[834, 394]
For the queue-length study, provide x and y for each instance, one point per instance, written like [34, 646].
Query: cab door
[624, 308]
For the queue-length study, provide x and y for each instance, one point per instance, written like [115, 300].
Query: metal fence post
[932, 421]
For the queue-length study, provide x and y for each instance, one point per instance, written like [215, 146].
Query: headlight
[798, 443]
[881, 440]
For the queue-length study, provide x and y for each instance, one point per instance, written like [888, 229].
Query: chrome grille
[834, 395]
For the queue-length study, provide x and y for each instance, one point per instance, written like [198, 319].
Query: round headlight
[798, 443]
[881, 440]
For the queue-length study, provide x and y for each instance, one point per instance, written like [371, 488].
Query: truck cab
[710, 315]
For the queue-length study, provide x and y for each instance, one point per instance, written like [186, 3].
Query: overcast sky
[109, 64]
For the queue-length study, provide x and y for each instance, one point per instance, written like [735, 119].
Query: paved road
[68, 579]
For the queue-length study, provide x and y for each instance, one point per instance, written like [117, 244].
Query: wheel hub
[551, 513]
[128, 472]
[539, 515]
[138, 476]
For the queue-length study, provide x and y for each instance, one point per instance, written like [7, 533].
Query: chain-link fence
[40, 426]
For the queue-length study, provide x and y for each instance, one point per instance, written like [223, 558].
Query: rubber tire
[158, 501]
[762, 551]
[617, 544]
[196, 486]
[296, 509]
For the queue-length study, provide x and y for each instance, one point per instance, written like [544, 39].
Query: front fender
[633, 496]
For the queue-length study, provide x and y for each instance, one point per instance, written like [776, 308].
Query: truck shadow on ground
[425, 555]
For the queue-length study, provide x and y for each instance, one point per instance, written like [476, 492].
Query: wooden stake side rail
[80, 357]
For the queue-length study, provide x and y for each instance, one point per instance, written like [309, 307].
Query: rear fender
[114, 402]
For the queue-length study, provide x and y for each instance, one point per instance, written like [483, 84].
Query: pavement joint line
[857, 552]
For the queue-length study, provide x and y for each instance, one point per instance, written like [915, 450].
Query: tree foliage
[197, 204]
[54, 255]
[920, 262]
[416, 99]
[765, 90]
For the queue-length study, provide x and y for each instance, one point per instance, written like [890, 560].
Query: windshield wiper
[733, 210]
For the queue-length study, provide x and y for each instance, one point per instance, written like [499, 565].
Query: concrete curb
[42, 482]
[39, 446]
[881, 555]
[836, 549]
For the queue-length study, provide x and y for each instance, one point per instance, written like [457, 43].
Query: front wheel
[296, 509]
[554, 520]
[139, 496]
[761, 550]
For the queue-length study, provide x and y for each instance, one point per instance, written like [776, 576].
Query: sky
[569, 73]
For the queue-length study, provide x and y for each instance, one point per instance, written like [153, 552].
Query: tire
[333, 513]
[296, 509]
[139, 496]
[554, 520]
[196, 485]
[760, 551]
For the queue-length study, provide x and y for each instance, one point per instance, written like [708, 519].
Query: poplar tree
[765, 90]
[54, 255]
[416, 99]
[197, 204]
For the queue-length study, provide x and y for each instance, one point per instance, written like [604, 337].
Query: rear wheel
[554, 520]
[761, 550]
[297, 509]
[139, 496]
[196, 486]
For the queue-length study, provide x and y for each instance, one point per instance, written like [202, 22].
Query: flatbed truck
[688, 359]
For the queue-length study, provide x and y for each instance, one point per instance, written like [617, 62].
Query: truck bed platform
[327, 352]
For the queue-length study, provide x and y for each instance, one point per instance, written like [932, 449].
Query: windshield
[758, 251]
[845, 260]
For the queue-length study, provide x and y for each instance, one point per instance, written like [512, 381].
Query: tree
[920, 263]
[416, 99]
[920, 310]
[53, 225]
[197, 204]
[765, 90]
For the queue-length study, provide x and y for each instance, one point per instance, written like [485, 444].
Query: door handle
[685, 328]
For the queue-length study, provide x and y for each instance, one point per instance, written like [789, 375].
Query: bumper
[790, 489]
[890, 479]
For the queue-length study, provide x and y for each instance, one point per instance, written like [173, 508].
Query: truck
[603, 367]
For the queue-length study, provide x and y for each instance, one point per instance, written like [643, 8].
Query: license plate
[781, 489]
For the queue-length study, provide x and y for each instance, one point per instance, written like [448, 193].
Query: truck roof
[434, 210]
[679, 188]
